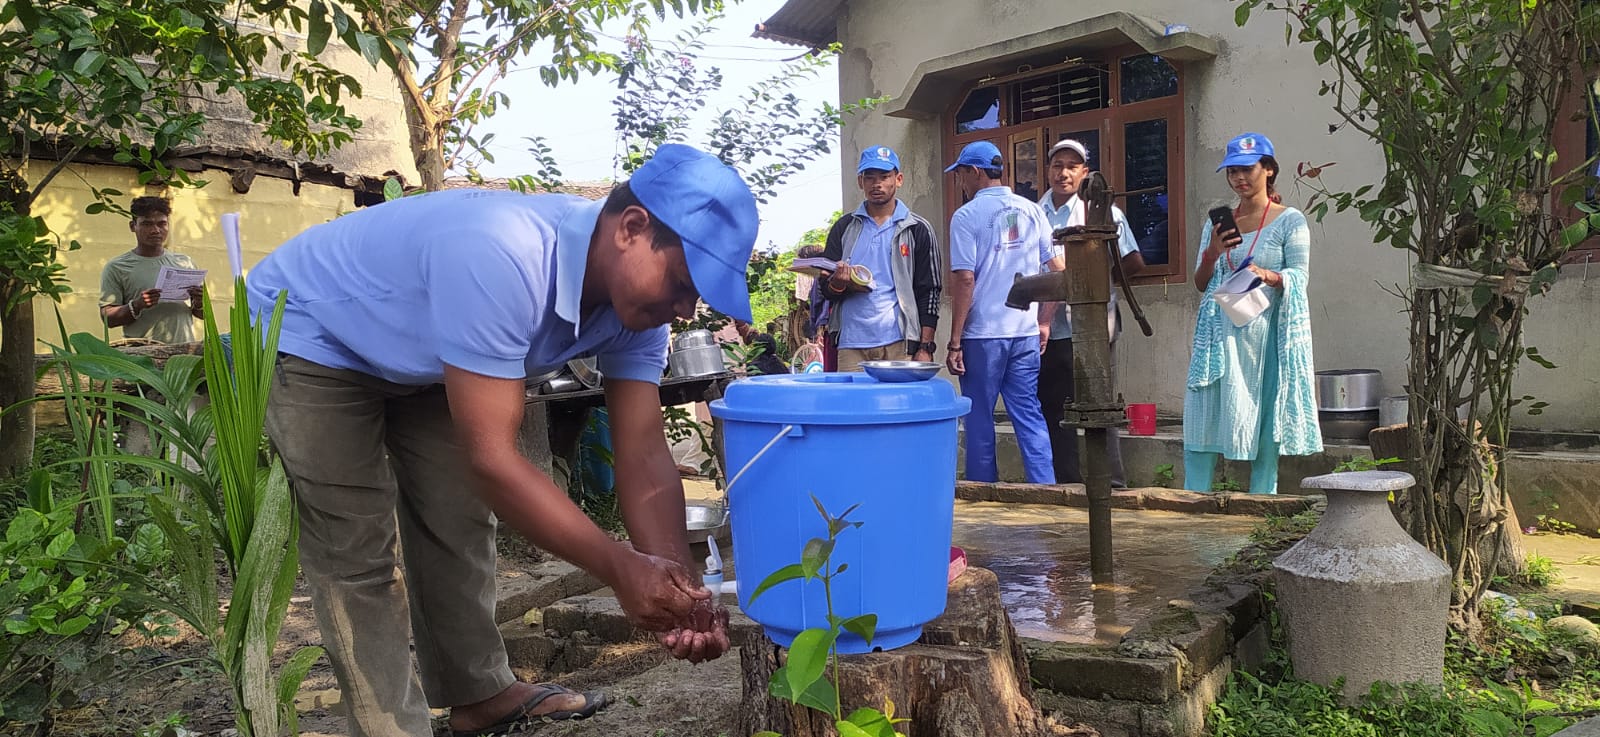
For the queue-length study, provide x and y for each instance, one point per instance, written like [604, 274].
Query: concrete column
[1360, 599]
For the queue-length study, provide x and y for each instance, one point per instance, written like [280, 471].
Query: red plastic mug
[1141, 419]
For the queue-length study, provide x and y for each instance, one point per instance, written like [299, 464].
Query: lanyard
[1254, 240]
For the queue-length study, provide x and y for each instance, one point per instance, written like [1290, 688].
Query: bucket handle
[774, 441]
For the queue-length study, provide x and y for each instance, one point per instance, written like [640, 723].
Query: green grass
[1517, 679]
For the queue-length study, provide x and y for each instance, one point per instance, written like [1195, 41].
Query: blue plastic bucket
[850, 440]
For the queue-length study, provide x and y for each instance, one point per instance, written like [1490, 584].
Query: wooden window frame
[1110, 121]
[1571, 138]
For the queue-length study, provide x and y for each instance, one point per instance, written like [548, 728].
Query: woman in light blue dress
[1250, 388]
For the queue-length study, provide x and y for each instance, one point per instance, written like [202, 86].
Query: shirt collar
[900, 211]
[995, 191]
[572, 259]
[1048, 202]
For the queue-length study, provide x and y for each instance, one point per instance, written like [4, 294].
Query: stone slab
[1265, 505]
[1097, 674]
[1178, 500]
[528, 646]
[978, 491]
[516, 592]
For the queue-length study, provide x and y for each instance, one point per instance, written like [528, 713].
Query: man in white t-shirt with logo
[1068, 168]
[994, 348]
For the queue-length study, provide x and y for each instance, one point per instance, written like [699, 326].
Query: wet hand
[702, 637]
[923, 356]
[657, 594]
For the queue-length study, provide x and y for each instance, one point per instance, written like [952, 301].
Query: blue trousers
[1009, 368]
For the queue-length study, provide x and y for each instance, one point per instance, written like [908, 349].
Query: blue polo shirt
[485, 281]
[997, 236]
[872, 320]
[1069, 214]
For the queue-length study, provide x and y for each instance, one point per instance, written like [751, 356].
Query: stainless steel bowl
[586, 371]
[900, 371]
[705, 520]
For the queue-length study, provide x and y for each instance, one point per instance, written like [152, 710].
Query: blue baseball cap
[981, 154]
[710, 207]
[880, 158]
[1246, 149]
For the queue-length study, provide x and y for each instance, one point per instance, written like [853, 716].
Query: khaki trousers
[377, 474]
[850, 358]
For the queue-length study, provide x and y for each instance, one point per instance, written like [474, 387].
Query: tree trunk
[967, 675]
[427, 145]
[16, 380]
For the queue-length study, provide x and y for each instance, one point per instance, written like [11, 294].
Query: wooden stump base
[967, 675]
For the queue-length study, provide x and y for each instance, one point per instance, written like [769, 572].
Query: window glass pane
[1145, 167]
[1147, 77]
[1025, 168]
[1090, 140]
[980, 112]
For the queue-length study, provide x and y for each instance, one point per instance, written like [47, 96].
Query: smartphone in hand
[1222, 217]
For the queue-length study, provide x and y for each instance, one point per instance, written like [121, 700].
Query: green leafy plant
[60, 597]
[1226, 484]
[1163, 476]
[1538, 571]
[801, 680]
[1514, 710]
[1464, 100]
[237, 502]
[681, 424]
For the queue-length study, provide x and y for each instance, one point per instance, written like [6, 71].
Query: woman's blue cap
[1246, 149]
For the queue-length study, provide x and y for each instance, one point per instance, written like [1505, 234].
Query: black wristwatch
[929, 347]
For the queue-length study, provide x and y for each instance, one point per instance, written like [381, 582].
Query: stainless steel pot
[693, 339]
[697, 361]
[1347, 425]
[1395, 410]
[1349, 390]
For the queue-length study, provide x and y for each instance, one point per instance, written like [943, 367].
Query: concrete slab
[1560, 482]
[1577, 559]
[516, 592]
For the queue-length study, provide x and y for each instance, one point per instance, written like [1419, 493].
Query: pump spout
[1050, 286]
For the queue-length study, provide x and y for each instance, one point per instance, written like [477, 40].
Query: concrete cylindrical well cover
[1360, 599]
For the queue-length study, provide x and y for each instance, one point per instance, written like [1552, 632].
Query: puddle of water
[1040, 553]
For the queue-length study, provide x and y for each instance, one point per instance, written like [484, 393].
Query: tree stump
[967, 675]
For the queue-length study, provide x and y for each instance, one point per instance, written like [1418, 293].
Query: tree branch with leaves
[1464, 99]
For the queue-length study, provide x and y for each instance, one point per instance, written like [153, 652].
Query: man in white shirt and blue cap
[1069, 166]
[407, 335]
[995, 237]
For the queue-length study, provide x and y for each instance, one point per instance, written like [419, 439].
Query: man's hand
[954, 363]
[147, 299]
[703, 637]
[197, 305]
[839, 280]
[657, 594]
[1044, 336]
[923, 356]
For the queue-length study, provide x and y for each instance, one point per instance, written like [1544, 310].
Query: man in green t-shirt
[128, 297]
